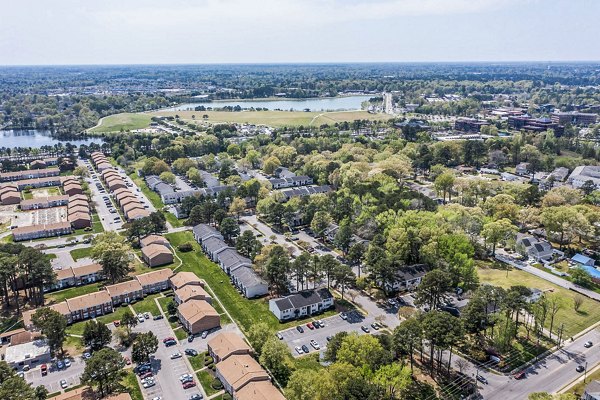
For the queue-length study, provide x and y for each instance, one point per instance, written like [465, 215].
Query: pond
[12, 138]
[315, 104]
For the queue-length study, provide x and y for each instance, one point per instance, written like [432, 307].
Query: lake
[315, 104]
[12, 138]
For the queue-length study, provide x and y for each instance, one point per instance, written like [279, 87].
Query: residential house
[227, 344]
[191, 292]
[72, 188]
[283, 172]
[539, 250]
[304, 191]
[522, 168]
[38, 182]
[29, 174]
[136, 214]
[44, 202]
[89, 305]
[229, 260]
[152, 181]
[249, 283]
[41, 231]
[213, 246]
[560, 174]
[197, 316]
[155, 281]
[125, 292]
[301, 304]
[591, 391]
[294, 181]
[582, 260]
[156, 254]
[238, 371]
[182, 279]
[261, 390]
[9, 194]
[583, 174]
[407, 278]
[155, 239]
[80, 220]
[203, 232]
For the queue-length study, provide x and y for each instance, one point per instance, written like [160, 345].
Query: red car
[188, 385]
[310, 326]
[519, 375]
[165, 340]
[44, 369]
[146, 375]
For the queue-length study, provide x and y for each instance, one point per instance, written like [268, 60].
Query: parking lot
[166, 370]
[293, 338]
[52, 380]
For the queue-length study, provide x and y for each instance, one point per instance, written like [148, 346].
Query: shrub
[216, 384]
[185, 247]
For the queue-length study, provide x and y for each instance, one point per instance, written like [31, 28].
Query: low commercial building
[227, 344]
[301, 304]
[469, 124]
[182, 279]
[155, 281]
[238, 371]
[125, 292]
[156, 254]
[31, 354]
[41, 231]
[197, 316]
[191, 292]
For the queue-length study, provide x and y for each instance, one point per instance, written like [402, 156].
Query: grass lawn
[206, 378]
[147, 305]
[27, 194]
[155, 200]
[76, 328]
[57, 297]
[163, 301]
[197, 362]
[81, 253]
[116, 315]
[245, 312]
[310, 361]
[123, 122]
[73, 345]
[180, 333]
[574, 321]
[132, 387]
[274, 118]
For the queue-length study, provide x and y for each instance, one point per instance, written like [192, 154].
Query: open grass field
[81, 253]
[116, 315]
[574, 321]
[155, 200]
[147, 305]
[206, 379]
[132, 387]
[274, 118]
[122, 122]
[245, 312]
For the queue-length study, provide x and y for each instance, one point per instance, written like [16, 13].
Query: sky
[66, 32]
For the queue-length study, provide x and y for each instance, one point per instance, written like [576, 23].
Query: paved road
[109, 223]
[550, 374]
[258, 227]
[333, 325]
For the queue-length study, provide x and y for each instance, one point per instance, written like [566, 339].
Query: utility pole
[585, 373]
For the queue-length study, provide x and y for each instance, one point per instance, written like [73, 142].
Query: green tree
[144, 345]
[53, 326]
[114, 255]
[275, 356]
[433, 289]
[247, 244]
[129, 321]
[183, 165]
[194, 175]
[229, 228]
[96, 335]
[104, 371]
[497, 232]
[334, 346]
[13, 387]
[172, 307]
[343, 237]
[393, 378]
[167, 177]
[277, 268]
[320, 222]
[363, 351]
[444, 183]
[408, 337]
[343, 276]
[581, 277]
[237, 207]
[302, 385]
[258, 334]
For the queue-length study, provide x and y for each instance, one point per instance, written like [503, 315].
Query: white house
[407, 278]
[301, 304]
[539, 250]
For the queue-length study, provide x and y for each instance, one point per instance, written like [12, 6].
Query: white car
[140, 317]
[299, 350]
[314, 344]
[204, 334]
[185, 377]
[175, 355]
[64, 384]
[148, 384]
[67, 362]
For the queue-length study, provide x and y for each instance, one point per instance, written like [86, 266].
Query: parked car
[329, 338]
[64, 384]
[116, 323]
[44, 369]
[279, 336]
[305, 348]
[314, 344]
[365, 329]
[190, 384]
[157, 317]
[175, 355]
[204, 334]
[299, 350]
[519, 375]
[300, 329]
[60, 365]
[310, 326]
[86, 355]
[588, 344]
[320, 322]
[344, 316]
[140, 318]
[184, 377]
[148, 384]
[375, 326]
[167, 339]
[191, 352]
[482, 379]
[196, 396]
[146, 375]
[170, 343]
[142, 369]
[580, 368]
[67, 363]
[190, 338]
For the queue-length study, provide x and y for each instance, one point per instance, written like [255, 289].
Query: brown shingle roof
[154, 239]
[87, 269]
[263, 390]
[239, 370]
[150, 278]
[123, 288]
[137, 213]
[187, 292]
[182, 278]
[88, 300]
[37, 228]
[195, 310]
[226, 343]
[153, 250]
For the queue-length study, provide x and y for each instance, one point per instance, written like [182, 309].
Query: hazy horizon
[151, 32]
